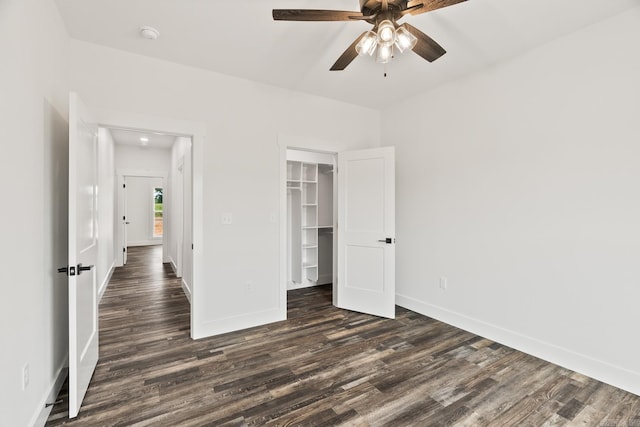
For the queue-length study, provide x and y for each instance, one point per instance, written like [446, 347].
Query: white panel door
[83, 251]
[125, 221]
[366, 231]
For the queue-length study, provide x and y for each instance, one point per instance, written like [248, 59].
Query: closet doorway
[339, 221]
[311, 218]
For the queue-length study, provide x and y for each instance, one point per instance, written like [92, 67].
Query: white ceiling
[240, 38]
[132, 138]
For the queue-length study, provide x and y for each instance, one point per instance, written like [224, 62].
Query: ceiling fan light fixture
[405, 40]
[367, 44]
[384, 53]
[386, 33]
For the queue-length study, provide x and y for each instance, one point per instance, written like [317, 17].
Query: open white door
[366, 231]
[83, 251]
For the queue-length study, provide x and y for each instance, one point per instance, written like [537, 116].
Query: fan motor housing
[368, 7]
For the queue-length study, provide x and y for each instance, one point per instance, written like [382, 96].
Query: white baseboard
[173, 265]
[186, 290]
[236, 323]
[39, 418]
[105, 282]
[597, 369]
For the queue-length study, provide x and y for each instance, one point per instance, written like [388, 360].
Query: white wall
[520, 185]
[142, 158]
[241, 163]
[106, 208]
[33, 214]
[140, 208]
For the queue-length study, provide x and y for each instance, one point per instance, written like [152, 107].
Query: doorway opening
[158, 211]
[142, 215]
[154, 197]
[310, 219]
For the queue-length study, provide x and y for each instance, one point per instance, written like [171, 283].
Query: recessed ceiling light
[144, 139]
[149, 33]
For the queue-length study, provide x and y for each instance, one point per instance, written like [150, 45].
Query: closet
[310, 218]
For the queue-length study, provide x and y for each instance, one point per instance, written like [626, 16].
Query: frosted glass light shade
[367, 44]
[384, 53]
[404, 39]
[386, 33]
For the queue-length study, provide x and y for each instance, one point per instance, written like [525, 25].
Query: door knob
[387, 240]
[69, 271]
[82, 268]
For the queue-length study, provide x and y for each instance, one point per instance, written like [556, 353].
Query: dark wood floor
[323, 366]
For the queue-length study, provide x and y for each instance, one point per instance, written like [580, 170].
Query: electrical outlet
[25, 376]
[226, 218]
[443, 283]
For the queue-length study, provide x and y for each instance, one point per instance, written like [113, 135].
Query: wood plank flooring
[321, 367]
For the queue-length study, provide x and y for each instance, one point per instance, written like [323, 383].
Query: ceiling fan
[386, 32]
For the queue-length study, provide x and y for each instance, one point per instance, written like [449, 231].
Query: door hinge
[192, 246]
[124, 249]
[124, 185]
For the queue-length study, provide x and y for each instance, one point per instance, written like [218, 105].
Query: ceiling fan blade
[347, 56]
[429, 5]
[411, 10]
[314, 15]
[426, 47]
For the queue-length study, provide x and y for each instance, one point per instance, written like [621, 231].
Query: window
[157, 212]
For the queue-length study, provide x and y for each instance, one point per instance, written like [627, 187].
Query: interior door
[83, 251]
[125, 221]
[366, 231]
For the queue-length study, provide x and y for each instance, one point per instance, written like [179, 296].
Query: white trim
[282, 191]
[39, 418]
[173, 265]
[186, 290]
[105, 282]
[586, 365]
